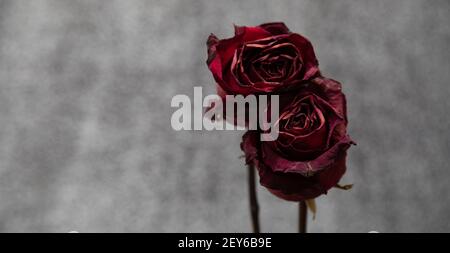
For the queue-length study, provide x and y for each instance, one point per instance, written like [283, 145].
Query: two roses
[308, 158]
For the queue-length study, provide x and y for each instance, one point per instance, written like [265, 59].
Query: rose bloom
[308, 158]
[260, 59]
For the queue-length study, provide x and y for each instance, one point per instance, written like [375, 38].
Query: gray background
[85, 136]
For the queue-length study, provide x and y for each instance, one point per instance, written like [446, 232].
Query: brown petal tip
[212, 40]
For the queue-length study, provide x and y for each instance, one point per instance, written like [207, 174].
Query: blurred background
[85, 136]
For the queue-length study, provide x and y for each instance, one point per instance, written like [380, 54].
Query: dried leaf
[344, 187]
[311, 204]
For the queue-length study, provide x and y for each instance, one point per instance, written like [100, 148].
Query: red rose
[308, 158]
[261, 59]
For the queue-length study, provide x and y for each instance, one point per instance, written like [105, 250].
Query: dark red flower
[308, 158]
[260, 59]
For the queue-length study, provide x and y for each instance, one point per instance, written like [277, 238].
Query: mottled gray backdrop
[85, 136]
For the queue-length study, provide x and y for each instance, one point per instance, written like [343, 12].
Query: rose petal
[277, 163]
[332, 92]
[309, 59]
[276, 28]
[295, 187]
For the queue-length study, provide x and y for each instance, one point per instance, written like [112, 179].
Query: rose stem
[254, 208]
[302, 217]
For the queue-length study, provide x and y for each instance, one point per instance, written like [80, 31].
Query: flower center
[304, 116]
[275, 68]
